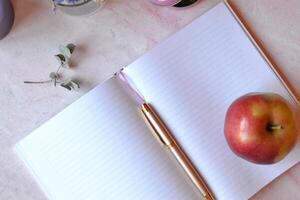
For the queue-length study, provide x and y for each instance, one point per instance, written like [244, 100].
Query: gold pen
[164, 135]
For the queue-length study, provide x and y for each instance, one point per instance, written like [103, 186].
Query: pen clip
[156, 134]
[158, 127]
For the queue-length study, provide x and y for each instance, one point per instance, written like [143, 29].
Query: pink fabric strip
[130, 87]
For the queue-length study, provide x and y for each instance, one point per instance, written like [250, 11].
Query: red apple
[261, 127]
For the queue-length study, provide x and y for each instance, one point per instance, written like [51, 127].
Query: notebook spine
[266, 57]
[129, 86]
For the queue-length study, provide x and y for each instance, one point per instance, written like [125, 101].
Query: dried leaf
[75, 86]
[61, 58]
[71, 47]
[65, 65]
[70, 85]
[66, 86]
[65, 51]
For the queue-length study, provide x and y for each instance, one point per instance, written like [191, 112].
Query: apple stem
[275, 127]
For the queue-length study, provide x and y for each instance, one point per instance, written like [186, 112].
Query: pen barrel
[191, 171]
[161, 131]
[166, 138]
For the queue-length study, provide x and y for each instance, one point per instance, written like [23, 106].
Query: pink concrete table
[108, 40]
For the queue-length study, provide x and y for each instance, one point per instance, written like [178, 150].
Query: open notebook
[101, 148]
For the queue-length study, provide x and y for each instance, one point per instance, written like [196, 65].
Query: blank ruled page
[100, 148]
[191, 79]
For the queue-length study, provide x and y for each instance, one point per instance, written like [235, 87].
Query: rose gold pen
[168, 140]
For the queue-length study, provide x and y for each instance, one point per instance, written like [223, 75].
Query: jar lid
[185, 3]
[165, 2]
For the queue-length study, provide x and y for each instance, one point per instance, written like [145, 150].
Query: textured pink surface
[107, 41]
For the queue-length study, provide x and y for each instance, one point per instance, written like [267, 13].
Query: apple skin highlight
[261, 128]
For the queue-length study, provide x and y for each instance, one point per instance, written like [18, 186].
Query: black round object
[185, 3]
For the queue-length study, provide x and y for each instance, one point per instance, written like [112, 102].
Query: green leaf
[70, 85]
[65, 65]
[75, 86]
[66, 86]
[71, 47]
[61, 58]
[65, 51]
[64, 61]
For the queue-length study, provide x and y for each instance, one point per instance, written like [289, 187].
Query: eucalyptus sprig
[63, 58]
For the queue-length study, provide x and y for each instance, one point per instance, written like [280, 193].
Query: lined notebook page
[100, 148]
[191, 79]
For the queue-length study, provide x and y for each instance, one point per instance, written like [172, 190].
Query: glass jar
[78, 7]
